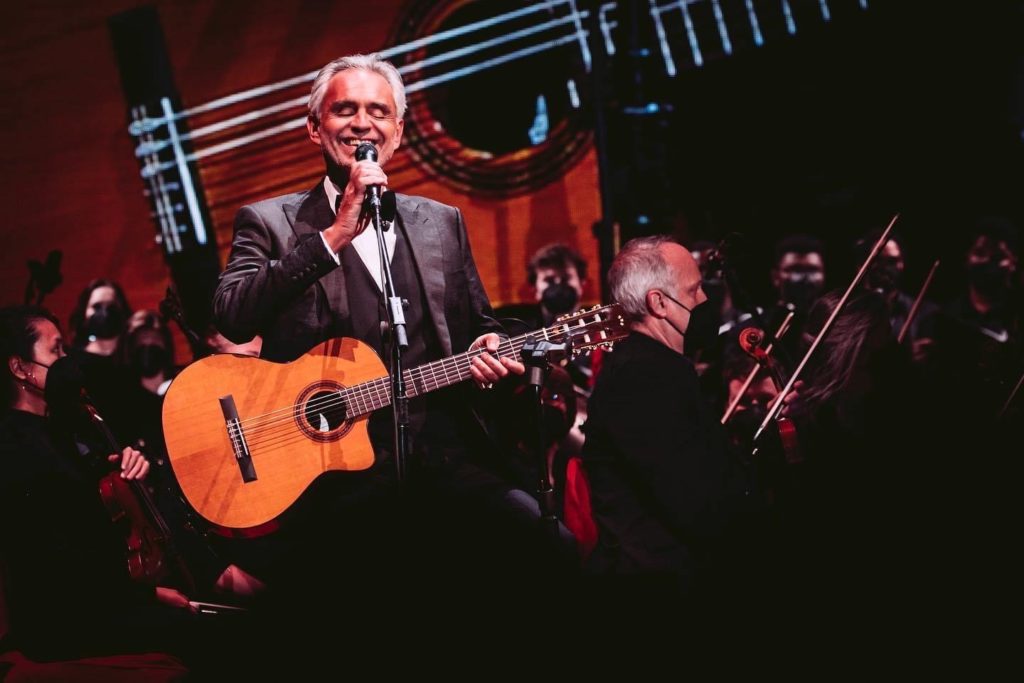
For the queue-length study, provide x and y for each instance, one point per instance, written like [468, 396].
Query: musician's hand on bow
[486, 369]
[790, 401]
[133, 463]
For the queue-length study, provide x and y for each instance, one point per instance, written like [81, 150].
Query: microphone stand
[399, 341]
[537, 356]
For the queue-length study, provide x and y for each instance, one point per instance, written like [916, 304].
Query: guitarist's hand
[133, 464]
[485, 368]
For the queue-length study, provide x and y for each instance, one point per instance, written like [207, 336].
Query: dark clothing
[396, 544]
[281, 282]
[66, 580]
[923, 324]
[663, 489]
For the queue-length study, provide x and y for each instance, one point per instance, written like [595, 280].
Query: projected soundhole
[321, 412]
[325, 411]
[495, 106]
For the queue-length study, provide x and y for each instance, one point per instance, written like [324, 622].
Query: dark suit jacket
[662, 486]
[282, 284]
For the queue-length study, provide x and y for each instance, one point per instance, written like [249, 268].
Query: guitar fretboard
[590, 328]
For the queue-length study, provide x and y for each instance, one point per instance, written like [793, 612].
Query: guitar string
[282, 432]
[458, 364]
[374, 394]
[275, 432]
[149, 124]
[302, 101]
[138, 127]
[370, 396]
[462, 361]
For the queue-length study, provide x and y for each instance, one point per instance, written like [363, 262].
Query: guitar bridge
[237, 435]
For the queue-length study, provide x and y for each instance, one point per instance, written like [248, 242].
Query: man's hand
[351, 219]
[133, 464]
[485, 368]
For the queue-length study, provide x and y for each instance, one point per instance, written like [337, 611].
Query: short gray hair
[636, 270]
[372, 63]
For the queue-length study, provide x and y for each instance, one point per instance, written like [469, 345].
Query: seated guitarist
[304, 268]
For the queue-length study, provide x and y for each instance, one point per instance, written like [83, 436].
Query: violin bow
[917, 303]
[773, 411]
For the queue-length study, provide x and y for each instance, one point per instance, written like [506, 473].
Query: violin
[750, 341]
[150, 552]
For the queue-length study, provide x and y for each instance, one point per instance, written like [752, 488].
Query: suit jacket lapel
[309, 217]
[426, 247]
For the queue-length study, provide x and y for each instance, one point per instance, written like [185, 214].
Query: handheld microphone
[365, 151]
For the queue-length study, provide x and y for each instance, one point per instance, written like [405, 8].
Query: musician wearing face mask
[978, 336]
[885, 277]
[98, 321]
[798, 277]
[663, 489]
[68, 589]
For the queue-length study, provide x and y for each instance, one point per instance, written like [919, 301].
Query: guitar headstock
[591, 328]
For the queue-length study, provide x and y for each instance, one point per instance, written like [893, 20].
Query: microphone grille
[365, 151]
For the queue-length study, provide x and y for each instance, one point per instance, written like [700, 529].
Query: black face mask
[558, 298]
[64, 383]
[150, 359]
[799, 290]
[107, 322]
[990, 279]
[883, 277]
[702, 331]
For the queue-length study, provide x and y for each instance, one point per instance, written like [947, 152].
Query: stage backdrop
[72, 182]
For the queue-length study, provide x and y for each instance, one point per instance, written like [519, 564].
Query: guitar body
[285, 411]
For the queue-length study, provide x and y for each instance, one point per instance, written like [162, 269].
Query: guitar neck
[370, 396]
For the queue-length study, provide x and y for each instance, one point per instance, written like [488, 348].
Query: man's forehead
[792, 258]
[360, 84]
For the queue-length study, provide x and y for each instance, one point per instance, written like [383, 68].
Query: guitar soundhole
[323, 415]
[503, 129]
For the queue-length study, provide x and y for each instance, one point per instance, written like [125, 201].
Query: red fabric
[596, 360]
[150, 667]
[578, 517]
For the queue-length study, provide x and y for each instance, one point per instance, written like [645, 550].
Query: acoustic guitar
[245, 437]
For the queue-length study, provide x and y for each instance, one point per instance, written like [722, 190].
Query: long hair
[78, 313]
[842, 357]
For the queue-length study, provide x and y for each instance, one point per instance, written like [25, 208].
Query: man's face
[358, 106]
[988, 250]
[551, 276]
[688, 279]
[799, 278]
[887, 268]
[991, 266]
